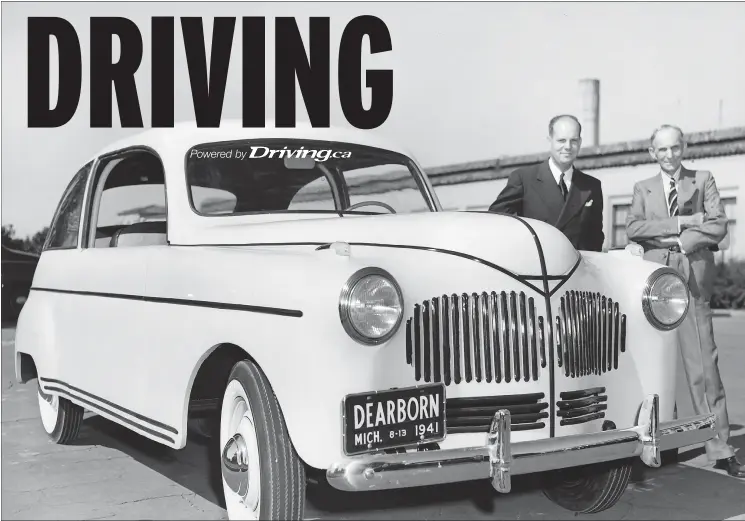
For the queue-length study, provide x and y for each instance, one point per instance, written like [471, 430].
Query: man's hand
[689, 221]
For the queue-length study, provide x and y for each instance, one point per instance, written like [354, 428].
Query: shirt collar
[675, 176]
[556, 171]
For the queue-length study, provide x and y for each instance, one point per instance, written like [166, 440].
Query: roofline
[711, 143]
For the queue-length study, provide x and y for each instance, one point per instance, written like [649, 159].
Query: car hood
[508, 242]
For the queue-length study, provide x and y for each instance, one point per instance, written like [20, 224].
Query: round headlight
[371, 306]
[665, 299]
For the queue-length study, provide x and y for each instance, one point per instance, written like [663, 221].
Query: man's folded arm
[510, 199]
[714, 227]
[639, 228]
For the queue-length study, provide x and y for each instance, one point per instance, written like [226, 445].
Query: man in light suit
[678, 218]
[556, 192]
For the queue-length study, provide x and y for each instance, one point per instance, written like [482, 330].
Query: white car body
[124, 331]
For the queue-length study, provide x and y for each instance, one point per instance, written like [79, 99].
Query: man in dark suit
[677, 217]
[556, 192]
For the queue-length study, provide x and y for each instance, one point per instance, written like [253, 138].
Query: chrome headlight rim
[646, 294]
[344, 304]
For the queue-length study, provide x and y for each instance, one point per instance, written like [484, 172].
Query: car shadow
[700, 493]
[191, 467]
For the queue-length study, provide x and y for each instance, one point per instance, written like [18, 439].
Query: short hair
[665, 127]
[562, 116]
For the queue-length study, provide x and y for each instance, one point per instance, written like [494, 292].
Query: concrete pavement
[111, 473]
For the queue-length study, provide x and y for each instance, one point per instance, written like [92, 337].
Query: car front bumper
[498, 459]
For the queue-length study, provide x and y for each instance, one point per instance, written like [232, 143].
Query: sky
[472, 81]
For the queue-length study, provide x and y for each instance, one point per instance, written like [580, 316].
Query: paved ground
[112, 474]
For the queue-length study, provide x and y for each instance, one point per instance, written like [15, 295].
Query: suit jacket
[648, 221]
[532, 192]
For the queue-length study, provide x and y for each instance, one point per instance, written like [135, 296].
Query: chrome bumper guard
[499, 459]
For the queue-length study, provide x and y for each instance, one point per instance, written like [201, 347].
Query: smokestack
[590, 111]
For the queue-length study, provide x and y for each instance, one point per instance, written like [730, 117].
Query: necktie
[563, 187]
[672, 200]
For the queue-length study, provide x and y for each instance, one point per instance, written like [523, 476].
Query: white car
[301, 292]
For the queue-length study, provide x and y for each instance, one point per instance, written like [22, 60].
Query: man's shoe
[732, 466]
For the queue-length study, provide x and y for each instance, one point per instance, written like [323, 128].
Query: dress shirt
[666, 178]
[556, 171]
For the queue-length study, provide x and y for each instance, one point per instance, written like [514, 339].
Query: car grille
[475, 414]
[590, 332]
[488, 336]
[581, 406]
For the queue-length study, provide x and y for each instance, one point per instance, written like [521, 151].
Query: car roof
[186, 134]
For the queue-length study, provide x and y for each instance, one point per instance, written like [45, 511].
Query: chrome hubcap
[234, 464]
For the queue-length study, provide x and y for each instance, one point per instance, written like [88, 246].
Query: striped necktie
[563, 186]
[672, 200]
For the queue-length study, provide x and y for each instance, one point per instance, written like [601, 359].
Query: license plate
[395, 418]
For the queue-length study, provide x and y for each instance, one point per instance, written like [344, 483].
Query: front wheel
[262, 475]
[589, 489]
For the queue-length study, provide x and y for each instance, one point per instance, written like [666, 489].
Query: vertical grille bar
[504, 317]
[446, 344]
[455, 313]
[467, 359]
[604, 327]
[559, 342]
[417, 342]
[436, 333]
[542, 342]
[609, 318]
[576, 316]
[427, 333]
[565, 336]
[581, 329]
[591, 344]
[617, 327]
[623, 333]
[524, 336]
[533, 342]
[570, 339]
[514, 334]
[585, 332]
[596, 330]
[498, 327]
[477, 336]
[409, 342]
[486, 322]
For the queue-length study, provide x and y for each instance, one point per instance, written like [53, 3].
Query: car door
[96, 291]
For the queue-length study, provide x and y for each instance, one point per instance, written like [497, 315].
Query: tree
[35, 242]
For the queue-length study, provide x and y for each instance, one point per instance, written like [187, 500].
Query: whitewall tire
[262, 475]
[60, 417]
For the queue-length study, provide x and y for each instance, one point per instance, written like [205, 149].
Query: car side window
[128, 207]
[63, 233]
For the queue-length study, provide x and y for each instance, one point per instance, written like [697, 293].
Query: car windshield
[260, 176]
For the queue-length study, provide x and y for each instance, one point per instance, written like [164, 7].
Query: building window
[619, 239]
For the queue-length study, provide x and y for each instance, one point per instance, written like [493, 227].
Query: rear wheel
[589, 489]
[262, 475]
[60, 417]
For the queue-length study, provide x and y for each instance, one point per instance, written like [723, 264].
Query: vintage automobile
[302, 292]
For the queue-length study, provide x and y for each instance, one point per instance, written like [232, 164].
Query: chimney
[589, 90]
